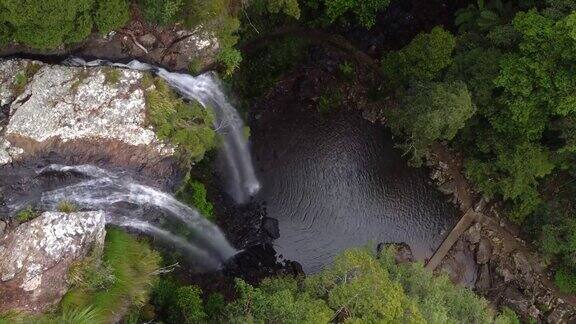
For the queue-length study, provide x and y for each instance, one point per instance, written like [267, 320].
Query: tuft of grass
[111, 76]
[27, 214]
[565, 279]
[86, 315]
[133, 264]
[195, 66]
[188, 126]
[346, 70]
[91, 274]
[19, 83]
[67, 207]
[82, 75]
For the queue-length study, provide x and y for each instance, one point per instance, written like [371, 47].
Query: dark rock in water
[403, 252]
[297, 269]
[270, 227]
[256, 263]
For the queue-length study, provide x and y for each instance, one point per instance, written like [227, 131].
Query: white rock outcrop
[61, 103]
[36, 256]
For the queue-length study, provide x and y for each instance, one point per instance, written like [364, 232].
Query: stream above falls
[336, 181]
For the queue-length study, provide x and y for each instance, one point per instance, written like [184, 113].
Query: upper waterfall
[242, 182]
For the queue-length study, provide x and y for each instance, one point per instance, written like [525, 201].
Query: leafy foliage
[362, 11]
[430, 112]
[186, 125]
[162, 12]
[422, 59]
[50, 23]
[189, 303]
[193, 193]
[276, 300]
[111, 15]
[178, 304]
[231, 59]
[359, 287]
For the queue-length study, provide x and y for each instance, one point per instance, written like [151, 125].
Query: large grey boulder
[75, 103]
[36, 256]
[77, 115]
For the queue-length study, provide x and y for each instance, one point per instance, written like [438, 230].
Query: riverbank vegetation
[359, 287]
[186, 125]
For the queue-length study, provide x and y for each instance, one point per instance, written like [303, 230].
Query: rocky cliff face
[36, 256]
[84, 114]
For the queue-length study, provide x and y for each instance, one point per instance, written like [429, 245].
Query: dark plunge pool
[336, 181]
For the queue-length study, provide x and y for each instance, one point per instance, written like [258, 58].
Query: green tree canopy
[47, 24]
[429, 112]
[361, 288]
[421, 60]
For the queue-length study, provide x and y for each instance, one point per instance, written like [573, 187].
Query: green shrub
[162, 12]
[430, 112]
[46, 23]
[214, 306]
[132, 265]
[189, 304]
[193, 193]
[86, 315]
[565, 279]
[22, 78]
[346, 70]
[188, 126]
[363, 11]
[359, 287]
[19, 83]
[230, 58]
[507, 316]
[260, 71]
[111, 14]
[67, 207]
[27, 214]
[422, 59]
[177, 304]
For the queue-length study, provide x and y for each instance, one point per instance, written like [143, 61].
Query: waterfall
[118, 196]
[207, 90]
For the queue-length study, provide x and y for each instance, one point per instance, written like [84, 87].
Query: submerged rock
[36, 256]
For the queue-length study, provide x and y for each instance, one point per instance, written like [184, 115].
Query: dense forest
[498, 86]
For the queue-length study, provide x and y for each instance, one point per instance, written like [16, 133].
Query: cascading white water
[207, 90]
[103, 189]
